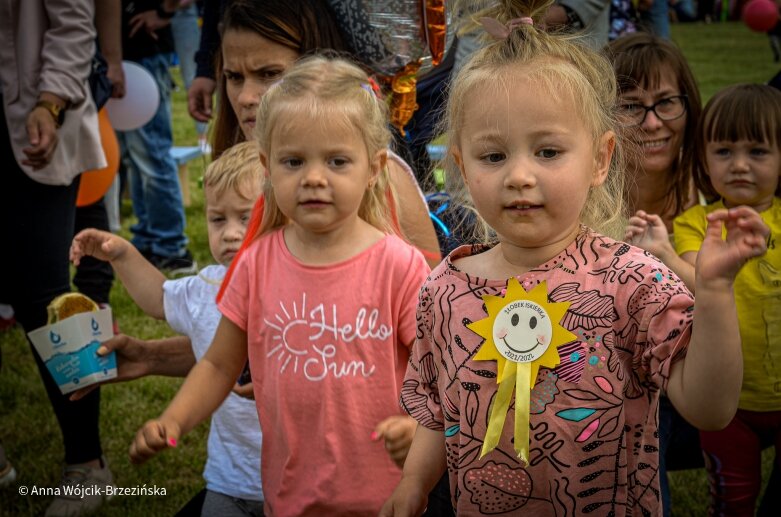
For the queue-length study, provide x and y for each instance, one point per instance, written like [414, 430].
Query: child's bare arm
[424, 467]
[648, 231]
[705, 386]
[205, 388]
[143, 281]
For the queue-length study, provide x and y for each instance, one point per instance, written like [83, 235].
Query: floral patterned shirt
[594, 418]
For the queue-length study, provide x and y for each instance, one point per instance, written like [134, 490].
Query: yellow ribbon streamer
[518, 376]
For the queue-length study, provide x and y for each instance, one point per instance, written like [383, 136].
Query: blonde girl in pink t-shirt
[321, 299]
[540, 357]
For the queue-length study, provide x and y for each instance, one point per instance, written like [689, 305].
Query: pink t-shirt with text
[328, 347]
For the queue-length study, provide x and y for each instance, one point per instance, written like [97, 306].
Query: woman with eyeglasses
[659, 106]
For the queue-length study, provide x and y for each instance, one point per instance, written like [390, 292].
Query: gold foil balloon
[395, 39]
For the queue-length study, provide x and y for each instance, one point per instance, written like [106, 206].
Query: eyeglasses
[669, 108]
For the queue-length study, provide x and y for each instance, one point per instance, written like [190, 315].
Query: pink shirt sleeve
[235, 301]
[414, 278]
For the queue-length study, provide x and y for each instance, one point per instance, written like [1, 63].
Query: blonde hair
[333, 91]
[237, 169]
[740, 112]
[560, 65]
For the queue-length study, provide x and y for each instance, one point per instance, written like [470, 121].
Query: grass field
[720, 54]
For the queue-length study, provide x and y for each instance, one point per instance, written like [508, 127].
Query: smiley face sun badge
[522, 332]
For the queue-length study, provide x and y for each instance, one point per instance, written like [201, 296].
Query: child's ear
[604, 156]
[456, 152]
[264, 163]
[377, 165]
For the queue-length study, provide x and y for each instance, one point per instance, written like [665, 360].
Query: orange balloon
[94, 184]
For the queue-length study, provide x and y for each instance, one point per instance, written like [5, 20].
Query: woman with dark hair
[659, 105]
[260, 41]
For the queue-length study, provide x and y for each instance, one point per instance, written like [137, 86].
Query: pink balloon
[760, 15]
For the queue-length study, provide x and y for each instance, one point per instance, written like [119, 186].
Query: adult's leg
[154, 180]
[38, 219]
[187, 38]
[733, 461]
[656, 20]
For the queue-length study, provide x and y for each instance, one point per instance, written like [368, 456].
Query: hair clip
[499, 30]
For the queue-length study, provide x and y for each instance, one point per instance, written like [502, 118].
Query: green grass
[720, 54]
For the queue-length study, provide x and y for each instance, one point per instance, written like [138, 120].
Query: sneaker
[81, 501]
[7, 472]
[174, 266]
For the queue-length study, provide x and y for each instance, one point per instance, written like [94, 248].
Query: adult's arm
[210, 38]
[68, 47]
[108, 22]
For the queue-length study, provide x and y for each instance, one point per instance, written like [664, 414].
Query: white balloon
[141, 100]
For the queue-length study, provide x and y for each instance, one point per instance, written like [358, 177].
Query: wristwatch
[57, 111]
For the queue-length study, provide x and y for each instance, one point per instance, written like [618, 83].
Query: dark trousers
[37, 222]
[93, 277]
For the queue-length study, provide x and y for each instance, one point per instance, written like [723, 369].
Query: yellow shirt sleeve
[689, 227]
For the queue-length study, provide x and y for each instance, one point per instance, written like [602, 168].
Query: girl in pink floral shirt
[540, 393]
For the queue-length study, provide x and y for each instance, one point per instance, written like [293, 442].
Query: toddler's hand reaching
[397, 431]
[647, 231]
[153, 437]
[99, 244]
[720, 260]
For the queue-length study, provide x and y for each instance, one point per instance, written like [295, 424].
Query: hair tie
[373, 88]
[501, 31]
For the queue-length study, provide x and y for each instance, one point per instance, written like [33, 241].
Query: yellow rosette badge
[522, 332]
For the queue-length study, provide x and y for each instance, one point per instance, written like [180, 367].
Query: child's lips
[314, 203]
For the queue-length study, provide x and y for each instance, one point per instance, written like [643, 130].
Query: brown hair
[562, 65]
[739, 112]
[305, 26]
[639, 60]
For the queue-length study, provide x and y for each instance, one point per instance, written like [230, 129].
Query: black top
[210, 37]
[142, 45]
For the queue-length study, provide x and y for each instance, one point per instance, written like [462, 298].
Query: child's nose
[740, 162]
[520, 176]
[314, 176]
[234, 232]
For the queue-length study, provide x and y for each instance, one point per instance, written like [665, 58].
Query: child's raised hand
[746, 238]
[153, 437]
[397, 431]
[99, 244]
[648, 231]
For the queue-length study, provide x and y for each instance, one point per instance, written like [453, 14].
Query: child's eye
[759, 151]
[548, 153]
[245, 217]
[292, 163]
[216, 219]
[493, 157]
[721, 151]
[338, 162]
